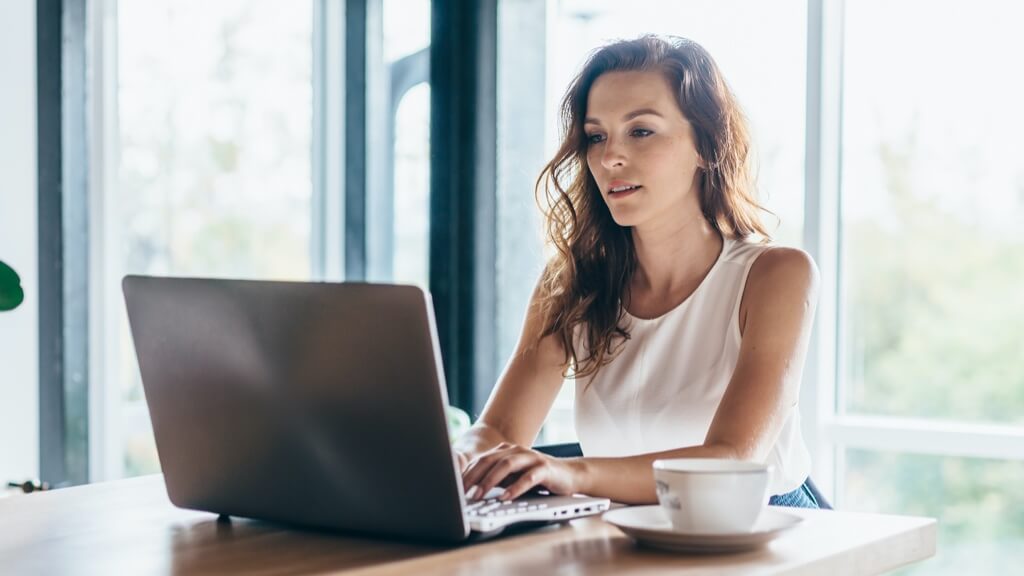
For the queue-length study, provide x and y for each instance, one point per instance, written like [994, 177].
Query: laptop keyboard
[492, 507]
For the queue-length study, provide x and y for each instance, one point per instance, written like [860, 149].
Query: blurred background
[220, 139]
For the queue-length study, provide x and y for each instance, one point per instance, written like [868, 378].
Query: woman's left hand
[519, 469]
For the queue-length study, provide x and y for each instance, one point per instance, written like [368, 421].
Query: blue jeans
[799, 498]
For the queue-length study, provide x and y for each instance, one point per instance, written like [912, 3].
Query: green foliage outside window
[932, 331]
[936, 308]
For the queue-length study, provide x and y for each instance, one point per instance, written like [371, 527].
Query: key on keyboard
[493, 507]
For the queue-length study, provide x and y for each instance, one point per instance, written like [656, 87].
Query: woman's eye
[595, 138]
[641, 132]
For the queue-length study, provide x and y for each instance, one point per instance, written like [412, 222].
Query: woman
[684, 329]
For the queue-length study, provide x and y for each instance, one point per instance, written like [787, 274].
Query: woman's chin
[626, 218]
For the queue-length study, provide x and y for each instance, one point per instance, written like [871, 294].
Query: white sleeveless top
[661, 390]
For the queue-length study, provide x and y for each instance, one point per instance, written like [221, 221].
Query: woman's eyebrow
[629, 116]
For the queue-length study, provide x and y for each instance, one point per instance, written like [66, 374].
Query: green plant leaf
[11, 294]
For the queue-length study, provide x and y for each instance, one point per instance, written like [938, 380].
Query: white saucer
[649, 526]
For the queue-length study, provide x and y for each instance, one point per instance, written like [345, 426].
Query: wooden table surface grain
[130, 527]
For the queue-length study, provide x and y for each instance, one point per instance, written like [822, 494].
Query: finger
[475, 472]
[479, 467]
[512, 464]
[495, 471]
[531, 477]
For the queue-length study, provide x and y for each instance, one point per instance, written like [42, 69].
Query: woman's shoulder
[782, 269]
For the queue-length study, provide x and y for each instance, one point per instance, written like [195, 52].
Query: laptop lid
[317, 404]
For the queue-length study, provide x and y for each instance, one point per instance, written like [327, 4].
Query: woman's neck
[674, 256]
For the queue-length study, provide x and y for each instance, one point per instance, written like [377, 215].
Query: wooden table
[130, 527]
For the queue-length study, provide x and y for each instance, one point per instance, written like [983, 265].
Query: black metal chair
[573, 450]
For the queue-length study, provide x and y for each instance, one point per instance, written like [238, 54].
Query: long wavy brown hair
[584, 284]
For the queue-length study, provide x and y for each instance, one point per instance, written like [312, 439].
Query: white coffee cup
[712, 496]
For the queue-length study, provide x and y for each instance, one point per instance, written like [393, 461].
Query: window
[933, 198]
[931, 267]
[412, 188]
[981, 530]
[760, 49]
[214, 152]
[214, 173]
[406, 41]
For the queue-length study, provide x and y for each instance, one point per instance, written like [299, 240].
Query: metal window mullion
[379, 145]
[917, 436]
[75, 198]
[484, 216]
[63, 240]
[106, 458]
[51, 239]
[318, 155]
[822, 233]
[355, 154]
[327, 147]
[462, 194]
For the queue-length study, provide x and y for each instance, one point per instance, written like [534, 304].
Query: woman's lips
[624, 193]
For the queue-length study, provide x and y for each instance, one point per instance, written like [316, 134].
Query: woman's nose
[613, 155]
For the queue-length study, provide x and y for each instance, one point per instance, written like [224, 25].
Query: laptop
[315, 404]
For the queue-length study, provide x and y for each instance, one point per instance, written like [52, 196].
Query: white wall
[19, 330]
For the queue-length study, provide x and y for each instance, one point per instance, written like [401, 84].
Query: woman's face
[641, 149]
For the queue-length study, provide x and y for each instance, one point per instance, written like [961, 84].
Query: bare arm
[524, 392]
[779, 304]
